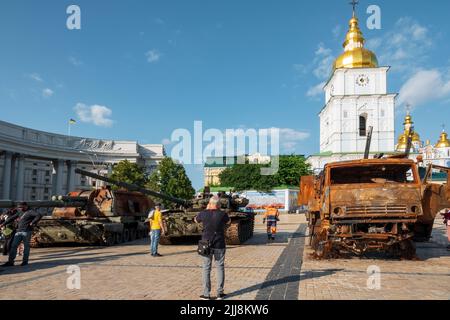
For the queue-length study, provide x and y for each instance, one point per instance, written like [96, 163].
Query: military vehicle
[98, 217]
[180, 222]
[372, 205]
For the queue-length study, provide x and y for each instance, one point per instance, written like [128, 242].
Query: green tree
[128, 172]
[171, 178]
[248, 176]
[291, 168]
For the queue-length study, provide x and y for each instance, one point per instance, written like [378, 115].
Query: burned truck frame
[372, 205]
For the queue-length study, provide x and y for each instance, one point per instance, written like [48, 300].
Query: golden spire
[443, 140]
[355, 55]
[403, 138]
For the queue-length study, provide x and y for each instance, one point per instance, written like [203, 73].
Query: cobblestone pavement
[282, 270]
[427, 279]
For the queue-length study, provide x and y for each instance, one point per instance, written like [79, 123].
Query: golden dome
[443, 141]
[403, 138]
[355, 55]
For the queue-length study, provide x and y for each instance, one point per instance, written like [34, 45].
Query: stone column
[20, 181]
[71, 177]
[7, 174]
[58, 177]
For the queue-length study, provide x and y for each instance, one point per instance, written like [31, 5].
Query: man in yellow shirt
[156, 227]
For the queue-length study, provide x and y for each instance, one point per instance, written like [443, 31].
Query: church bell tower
[356, 98]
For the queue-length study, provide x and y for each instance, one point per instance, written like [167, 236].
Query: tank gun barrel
[8, 204]
[133, 187]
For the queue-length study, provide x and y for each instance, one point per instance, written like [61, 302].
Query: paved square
[283, 270]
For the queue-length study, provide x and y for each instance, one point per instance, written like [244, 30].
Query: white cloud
[289, 138]
[323, 62]
[153, 56]
[95, 114]
[320, 67]
[424, 86]
[405, 47]
[35, 77]
[47, 93]
[75, 62]
[337, 30]
[316, 90]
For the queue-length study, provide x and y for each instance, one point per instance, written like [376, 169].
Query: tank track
[239, 231]
[165, 241]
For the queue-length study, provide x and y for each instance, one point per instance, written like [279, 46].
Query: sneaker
[24, 264]
[158, 255]
[203, 297]
[221, 296]
[8, 264]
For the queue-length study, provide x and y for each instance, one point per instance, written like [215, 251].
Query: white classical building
[34, 165]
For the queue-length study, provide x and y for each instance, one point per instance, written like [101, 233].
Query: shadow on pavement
[289, 279]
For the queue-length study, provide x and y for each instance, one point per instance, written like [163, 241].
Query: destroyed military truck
[372, 205]
[99, 217]
[180, 222]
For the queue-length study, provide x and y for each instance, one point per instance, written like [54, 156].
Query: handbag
[204, 247]
[7, 231]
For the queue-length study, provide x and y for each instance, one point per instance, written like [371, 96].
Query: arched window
[363, 125]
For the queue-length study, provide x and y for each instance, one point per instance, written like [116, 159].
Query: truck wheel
[132, 234]
[119, 237]
[126, 235]
[109, 239]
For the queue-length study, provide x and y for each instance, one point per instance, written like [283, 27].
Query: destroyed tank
[180, 222]
[378, 204]
[99, 217]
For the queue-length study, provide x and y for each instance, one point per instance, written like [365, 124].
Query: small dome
[403, 138]
[443, 141]
[355, 55]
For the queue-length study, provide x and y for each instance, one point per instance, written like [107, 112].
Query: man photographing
[214, 224]
[26, 221]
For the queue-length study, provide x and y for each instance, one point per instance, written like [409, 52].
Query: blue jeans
[19, 237]
[154, 241]
[219, 257]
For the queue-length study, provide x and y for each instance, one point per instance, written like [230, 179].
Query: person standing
[8, 230]
[214, 223]
[447, 223]
[156, 228]
[271, 217]
[26, 221]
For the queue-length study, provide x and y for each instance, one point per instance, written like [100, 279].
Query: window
[362, 125]
[345, 114]
[34, 172]
[382, 113]
[47, 173]
[373, 174]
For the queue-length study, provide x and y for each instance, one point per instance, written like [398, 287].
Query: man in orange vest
[271, 217]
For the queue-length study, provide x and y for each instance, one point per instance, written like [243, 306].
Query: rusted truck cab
[363, 205]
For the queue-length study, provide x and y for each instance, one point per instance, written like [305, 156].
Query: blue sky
[137, 70]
